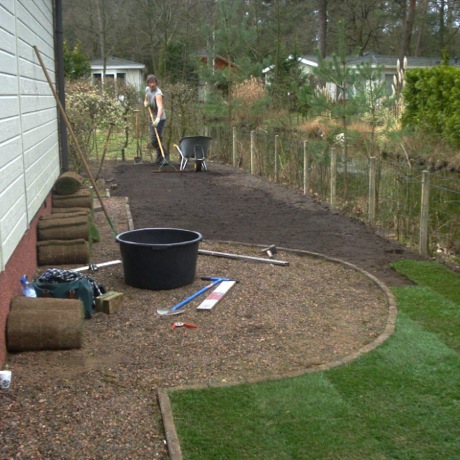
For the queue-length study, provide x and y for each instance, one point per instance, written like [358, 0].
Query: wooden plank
[210, 302]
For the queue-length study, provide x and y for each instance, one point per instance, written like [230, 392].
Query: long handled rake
[165, 160]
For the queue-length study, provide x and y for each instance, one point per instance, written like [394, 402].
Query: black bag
[68, 284]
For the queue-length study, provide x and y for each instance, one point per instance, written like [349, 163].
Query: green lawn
[401, 401]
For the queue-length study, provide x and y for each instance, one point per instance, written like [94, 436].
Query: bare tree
[102, 25]
[322, 27]
[408, 25]
[422, 16]
[365, 23]
[163, 35]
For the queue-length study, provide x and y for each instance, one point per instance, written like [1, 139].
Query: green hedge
[432, 101]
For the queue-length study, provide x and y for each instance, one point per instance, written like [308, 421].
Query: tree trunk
[442, 25]
[410, 17]
[422, 16]
[322, 28]
[102, 36]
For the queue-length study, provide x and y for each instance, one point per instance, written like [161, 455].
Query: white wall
[29, 150]
[133, 77]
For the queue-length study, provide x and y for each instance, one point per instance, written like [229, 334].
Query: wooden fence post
[277, 174]
[306, 169]
[234, 146]
[333, 178]
[252, 150]
[424, 214]
[371, 200]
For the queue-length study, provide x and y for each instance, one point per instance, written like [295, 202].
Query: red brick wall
[23, 261]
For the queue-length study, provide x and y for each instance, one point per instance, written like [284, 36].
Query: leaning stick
[69, 127]
[106, 146]
[238, 256]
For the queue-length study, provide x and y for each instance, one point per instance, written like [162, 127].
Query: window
[388, 83]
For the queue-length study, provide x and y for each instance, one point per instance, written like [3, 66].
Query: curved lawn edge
[172, 439]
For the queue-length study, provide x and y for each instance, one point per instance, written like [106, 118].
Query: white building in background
[386, 64]
[120, 71]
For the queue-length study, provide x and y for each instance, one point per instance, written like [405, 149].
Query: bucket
[159, 258]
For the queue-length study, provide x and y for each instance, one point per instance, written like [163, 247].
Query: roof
[390, 61]
[311, 61]
[116, 63]
[204, 56]
[375, 60]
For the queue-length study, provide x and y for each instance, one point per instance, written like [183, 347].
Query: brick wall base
[23, 261]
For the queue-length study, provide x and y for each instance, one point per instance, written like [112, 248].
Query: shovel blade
[169, 311]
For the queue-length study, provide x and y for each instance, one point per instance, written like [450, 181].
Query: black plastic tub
[159, 258]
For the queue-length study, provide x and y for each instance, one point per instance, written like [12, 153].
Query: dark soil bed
[227, 204]
[99, 402]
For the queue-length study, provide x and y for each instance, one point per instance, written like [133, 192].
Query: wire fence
[388, 196]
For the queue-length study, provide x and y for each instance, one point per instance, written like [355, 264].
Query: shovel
[176, 310]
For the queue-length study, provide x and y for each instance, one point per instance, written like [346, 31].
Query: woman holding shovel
[154, 102]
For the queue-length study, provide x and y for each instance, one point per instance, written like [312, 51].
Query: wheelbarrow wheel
[198, 165]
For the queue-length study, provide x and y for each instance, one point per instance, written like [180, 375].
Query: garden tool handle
[198, 293]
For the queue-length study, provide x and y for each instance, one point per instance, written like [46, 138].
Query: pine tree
[76, 64]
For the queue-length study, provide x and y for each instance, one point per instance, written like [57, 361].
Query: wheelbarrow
[194, 148]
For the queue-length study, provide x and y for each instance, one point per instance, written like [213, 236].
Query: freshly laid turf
[432, 275]
[432, 312]
[401, 401]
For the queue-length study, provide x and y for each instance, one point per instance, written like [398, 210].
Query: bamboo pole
[106, 146]
[74, 138]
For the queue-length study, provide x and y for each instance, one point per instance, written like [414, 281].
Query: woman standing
[155, 101]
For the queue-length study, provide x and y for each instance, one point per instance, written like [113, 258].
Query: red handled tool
[179, 324]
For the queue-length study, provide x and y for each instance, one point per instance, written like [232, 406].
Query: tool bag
[69, 284]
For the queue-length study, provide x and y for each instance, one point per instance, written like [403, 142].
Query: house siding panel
[10, 106]
[9, 84]
[29, 142]
[9, 128]
[13, 222]
[11, 166]
[7, 63]
[8, 155]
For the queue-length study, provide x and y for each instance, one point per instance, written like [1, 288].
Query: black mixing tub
[159, 258]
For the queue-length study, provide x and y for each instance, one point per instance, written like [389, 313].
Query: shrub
[93, 107]
[432, 99]
[250, 100]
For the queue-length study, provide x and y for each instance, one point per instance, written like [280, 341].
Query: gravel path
[99, 402]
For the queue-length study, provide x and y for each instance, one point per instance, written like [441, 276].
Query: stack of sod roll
[63, 237]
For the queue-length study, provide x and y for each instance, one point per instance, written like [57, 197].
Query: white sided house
[120, 71]
[387, 66]
[29, 139]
